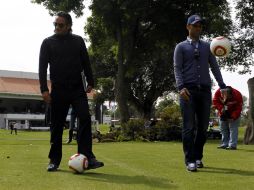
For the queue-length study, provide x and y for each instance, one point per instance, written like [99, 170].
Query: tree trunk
[121, 88]
[249, 132]
[98, 112]
[147, 110]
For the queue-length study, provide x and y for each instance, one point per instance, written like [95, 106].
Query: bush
[171, 115]
[168, 132]
[167, 129]
[133, 129]
[157, 131]
[111, 136]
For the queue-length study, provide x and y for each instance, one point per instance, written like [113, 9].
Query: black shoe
[222, 147]
[199, 164]
[231, 148]
[68, 142]
[93, 164]
[52, 167]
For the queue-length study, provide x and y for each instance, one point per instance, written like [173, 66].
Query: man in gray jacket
[192, 59]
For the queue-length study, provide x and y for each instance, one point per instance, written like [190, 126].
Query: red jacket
[234, 104]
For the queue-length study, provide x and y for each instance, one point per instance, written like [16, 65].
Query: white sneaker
[191, 167]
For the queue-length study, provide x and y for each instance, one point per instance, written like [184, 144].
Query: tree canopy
[244, 40]
[54, 6]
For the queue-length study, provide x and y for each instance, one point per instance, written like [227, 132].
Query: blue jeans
[229, 131]
[195, 114]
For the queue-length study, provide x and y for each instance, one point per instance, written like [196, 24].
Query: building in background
[21, 101]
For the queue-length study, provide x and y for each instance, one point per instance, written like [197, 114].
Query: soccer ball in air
[78, 163]
[220, 46]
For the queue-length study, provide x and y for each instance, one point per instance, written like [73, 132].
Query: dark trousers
[70, 134]
[72, 124]
[62, 97]
[195, 114]
[15, 129]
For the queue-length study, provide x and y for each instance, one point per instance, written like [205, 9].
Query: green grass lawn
[128, 166]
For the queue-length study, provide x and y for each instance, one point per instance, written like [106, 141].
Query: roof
[19, 86]
[11, 87]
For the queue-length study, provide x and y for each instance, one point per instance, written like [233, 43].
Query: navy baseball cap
[193, 19]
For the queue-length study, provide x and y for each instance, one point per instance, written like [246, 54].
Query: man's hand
[185, 94]
[224, 95]
[89, 89]
[46, 97]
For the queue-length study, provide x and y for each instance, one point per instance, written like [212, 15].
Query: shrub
[111, 136]
[171, 114]
[133, 129]
[157, 131]
[168, 132]
[167, 129]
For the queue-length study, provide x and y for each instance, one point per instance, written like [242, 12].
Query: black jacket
[67, 56]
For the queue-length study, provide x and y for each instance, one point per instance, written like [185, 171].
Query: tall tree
[244, 44]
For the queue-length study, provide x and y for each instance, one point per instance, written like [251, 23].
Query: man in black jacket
[67, 56]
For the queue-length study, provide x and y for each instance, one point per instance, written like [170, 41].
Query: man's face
[61, 27]
[194, 29]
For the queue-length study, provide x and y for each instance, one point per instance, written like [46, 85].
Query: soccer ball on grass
[78, 163]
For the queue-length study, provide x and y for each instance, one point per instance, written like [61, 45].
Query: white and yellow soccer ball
[78, 163]
[220, 46]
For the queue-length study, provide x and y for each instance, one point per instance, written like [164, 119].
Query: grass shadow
[245, 150]
[151, 181]
[227, 171]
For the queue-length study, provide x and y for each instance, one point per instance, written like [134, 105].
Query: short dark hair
[66, 16]
[229, 89]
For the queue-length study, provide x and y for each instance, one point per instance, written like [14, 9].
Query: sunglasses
[60, 25]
